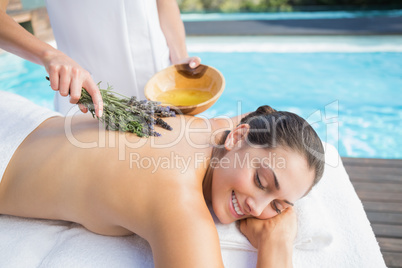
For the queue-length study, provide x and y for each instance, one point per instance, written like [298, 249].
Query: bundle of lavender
[129, 114]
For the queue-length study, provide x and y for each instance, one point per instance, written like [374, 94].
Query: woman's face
[254, 182]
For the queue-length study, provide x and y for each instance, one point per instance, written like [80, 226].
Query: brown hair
[270, 128]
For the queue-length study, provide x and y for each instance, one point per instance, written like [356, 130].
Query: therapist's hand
[68, 77]
[193, 62]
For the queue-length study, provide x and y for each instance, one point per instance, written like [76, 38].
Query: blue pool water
[353, 100]
[25, 78]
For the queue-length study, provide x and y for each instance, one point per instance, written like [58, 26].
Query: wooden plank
[378, 187]
[349, 161]
[379, 196]
[41, 24]
[14, 5]
[387, 230]
[377, 171]
[371, 161]
[385, 178]
[385, 218]
[382, 206]
[376, 168]
[22, 17]
[392, 259]
[390, 244]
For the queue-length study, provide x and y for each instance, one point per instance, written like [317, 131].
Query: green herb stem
[128, 114]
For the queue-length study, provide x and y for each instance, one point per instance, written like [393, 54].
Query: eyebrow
[276, 181]
[277, 186]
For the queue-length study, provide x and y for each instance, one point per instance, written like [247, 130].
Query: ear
[237, 136]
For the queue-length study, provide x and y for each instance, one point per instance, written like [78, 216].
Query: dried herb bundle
[129, 114]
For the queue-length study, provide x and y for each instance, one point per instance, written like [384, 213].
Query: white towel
[18, 118]
[26, 243]
[333, 228]
[43, 243]
[354, 243]
[314, 229]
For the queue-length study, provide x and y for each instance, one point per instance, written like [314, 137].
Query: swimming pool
[349, 88]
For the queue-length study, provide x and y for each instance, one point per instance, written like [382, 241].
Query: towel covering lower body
[18, 118]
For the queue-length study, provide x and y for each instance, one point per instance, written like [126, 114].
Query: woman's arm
[66, 75]
[177, 224]
[173, 29]
[274, 254]
[188, 241]
[273, 238]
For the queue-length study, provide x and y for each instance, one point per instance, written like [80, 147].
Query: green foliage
[271, 5]
[233, 5]
[191, 5]
[128, 114]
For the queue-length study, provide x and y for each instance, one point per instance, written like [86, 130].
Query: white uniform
[119, 42]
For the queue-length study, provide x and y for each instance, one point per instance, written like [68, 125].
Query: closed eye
[275, 207]
[258, 182]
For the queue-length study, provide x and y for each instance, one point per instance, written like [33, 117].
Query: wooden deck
[378, 182]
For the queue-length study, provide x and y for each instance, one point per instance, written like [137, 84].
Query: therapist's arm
[173, 28]
[3, 5]
[66, 76]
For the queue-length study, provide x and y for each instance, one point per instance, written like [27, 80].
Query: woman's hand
[68, 77]
[273, 238]
[280, 229]
[193, 62]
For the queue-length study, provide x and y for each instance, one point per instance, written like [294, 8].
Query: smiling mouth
[236, 205]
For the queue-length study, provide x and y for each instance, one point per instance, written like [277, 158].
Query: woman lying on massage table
[118, 184]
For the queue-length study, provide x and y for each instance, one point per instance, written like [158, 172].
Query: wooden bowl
[202, 79]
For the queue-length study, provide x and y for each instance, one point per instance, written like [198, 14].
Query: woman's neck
[216, 152]
[220, 126]
[207, 183]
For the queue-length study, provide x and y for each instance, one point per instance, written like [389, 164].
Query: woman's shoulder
[166, 196]
[178, 199]
[182, 221]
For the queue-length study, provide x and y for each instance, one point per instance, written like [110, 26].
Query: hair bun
[264, 110]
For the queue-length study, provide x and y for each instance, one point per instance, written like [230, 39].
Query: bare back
[116, 183]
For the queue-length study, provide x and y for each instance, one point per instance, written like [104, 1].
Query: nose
[256, 206]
